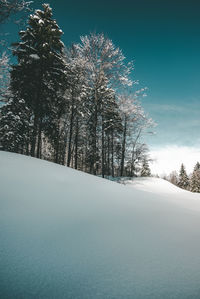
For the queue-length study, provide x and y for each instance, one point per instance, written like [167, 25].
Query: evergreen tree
[183, 180]
[145, 171]
[10, 7]
[195, 179]
[39, 76]
[197, 167]
[15, 126]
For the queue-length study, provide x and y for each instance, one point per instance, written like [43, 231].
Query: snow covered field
[67, 234]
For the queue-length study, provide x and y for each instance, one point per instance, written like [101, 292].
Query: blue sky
[163, 39]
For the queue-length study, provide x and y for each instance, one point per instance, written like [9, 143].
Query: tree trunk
[64, 147]
[39, 141]
[108, 159]
[37, 112]
[76, 144]
[123, 147]
[70, 133]
[112, 153]
[102, 150]
[57, 149]
[34, 137]
[133, 152]
[93, 167]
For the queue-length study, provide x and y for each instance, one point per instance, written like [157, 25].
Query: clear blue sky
[163, 39]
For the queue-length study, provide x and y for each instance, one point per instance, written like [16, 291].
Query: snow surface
[34, 56]
[67, 234]
[155, 185]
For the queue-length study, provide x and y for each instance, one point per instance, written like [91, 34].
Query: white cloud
[169, 158]
[166, 108]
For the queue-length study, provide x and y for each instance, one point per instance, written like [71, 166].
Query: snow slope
[67, 234]
[155, 185]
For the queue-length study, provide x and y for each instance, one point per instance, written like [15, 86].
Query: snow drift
[67, 234]
[155, 185]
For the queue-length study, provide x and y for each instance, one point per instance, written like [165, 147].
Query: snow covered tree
[145, 171]
[71, 110]
[4, 75]
[103, 55]
[10, 7]
[195, 179]
[15, 126]
[102, 58]
[76, 95]
[183, 180]
[39, 76]
[113, 130]
[134, 123]
[94, 122]
[136, 154]
[106, 97]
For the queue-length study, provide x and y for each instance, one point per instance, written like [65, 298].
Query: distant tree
[173, 178]
[138, 153]
[145, 171]
[183, 180]
[195, 179]
[134, 123]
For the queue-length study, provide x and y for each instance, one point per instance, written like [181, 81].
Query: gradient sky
[163, 39]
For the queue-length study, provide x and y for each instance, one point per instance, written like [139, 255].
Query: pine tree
[10, 7]
[39, 76]
[15, 126]
[145, 171]
[195, 179]
[183, 180]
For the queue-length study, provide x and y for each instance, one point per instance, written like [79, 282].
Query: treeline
[75, 106]
[183, 180]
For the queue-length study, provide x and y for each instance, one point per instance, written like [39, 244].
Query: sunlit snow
[67, 234]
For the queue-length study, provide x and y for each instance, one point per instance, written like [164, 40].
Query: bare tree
[4, 75]
[102, 57]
